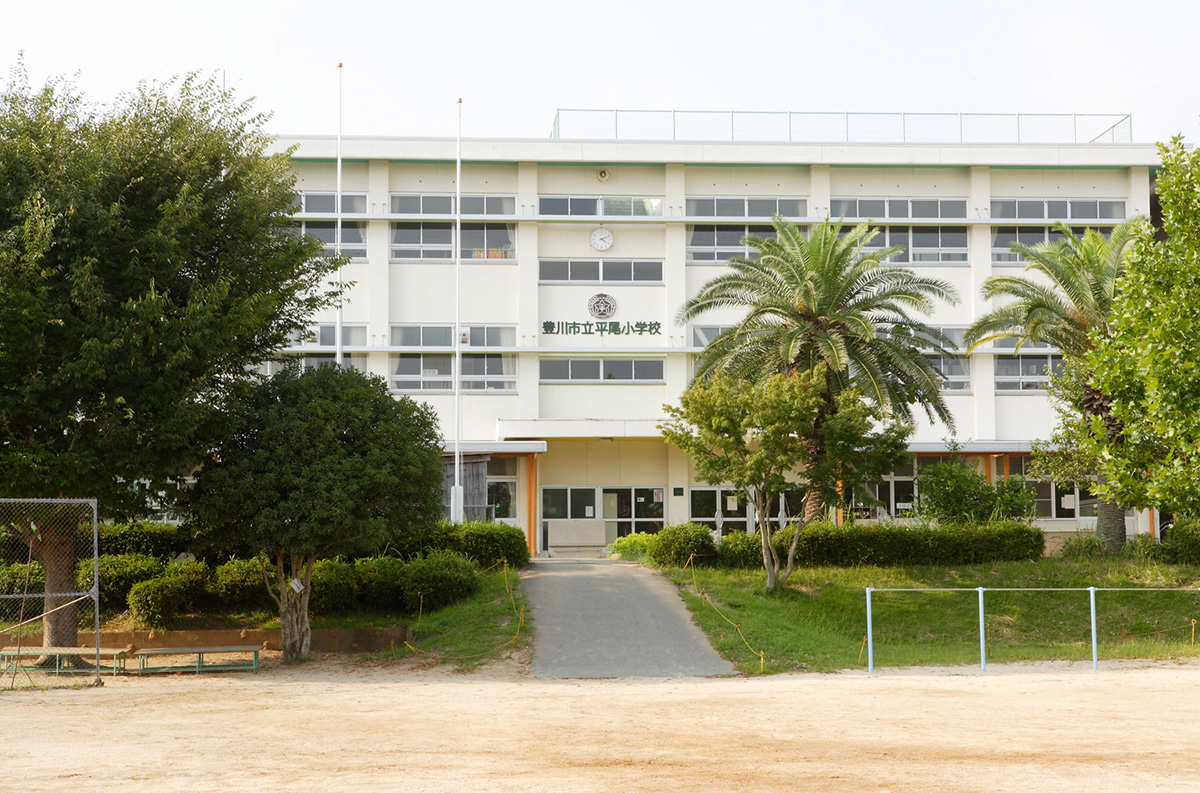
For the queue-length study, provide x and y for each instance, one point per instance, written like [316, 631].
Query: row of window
[602, 271]
[606, 206]
[904, 208]
[746, 207]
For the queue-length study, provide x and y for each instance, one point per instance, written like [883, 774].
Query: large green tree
[146, 264]
[323, 462]
[1148, 366]
[828, 298]
[758, 438]
[1065, 299]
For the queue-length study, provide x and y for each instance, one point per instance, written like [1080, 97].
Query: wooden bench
[145, 655]
[10, 656]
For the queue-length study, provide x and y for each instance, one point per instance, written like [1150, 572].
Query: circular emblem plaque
[602, 306]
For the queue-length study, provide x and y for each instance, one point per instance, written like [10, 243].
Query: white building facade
[577, 254]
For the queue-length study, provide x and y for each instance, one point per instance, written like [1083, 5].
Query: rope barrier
[704, 599]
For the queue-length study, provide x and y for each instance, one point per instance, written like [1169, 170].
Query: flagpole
[337, 233]
[456, 496]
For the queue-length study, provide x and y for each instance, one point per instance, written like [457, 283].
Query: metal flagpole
[337, 232]
[456, 495]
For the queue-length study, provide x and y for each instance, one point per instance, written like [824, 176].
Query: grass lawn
[819, 622]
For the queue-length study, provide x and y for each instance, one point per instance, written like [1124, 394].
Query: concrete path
[602, 619]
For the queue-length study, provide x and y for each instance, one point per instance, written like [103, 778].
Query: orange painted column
[531, 510]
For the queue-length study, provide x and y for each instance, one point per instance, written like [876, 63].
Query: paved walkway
[602, 619]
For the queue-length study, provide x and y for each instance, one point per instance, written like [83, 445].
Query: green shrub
[438, 578]
[678, 543]
[118, 574]
[12, 579]
[239, 584]
[420, 540]
[1143, 548]
[193, 577]
[154, 603]
[886, 544]
[1182, 541]
[740, 550]
[380, 582]
[334, 587]
[950, 492]
[165, 540]
[488, 543]
[1086, 546]
[634, 546]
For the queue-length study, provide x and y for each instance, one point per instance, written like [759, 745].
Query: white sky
[515, 63]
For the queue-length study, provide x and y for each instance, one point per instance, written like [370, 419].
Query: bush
[380, 582]
[890, 544]
[438, 578]
[12, 580]
[950, 492]
[740, 550]
[488, 543]
[1182, 541]
[239, 584]
[118, 574]
[634, 546]
[1086, 546]
[154, 603]
[165, 540]
[420, 540]
[193, 579]
[678, 543]
[334, 587]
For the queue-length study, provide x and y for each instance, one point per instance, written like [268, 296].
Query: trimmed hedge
[437, 579]
[334, 587]
[154, 603]
[634, 546]
[740, 550]
[166, 540]
[675, 544]
[1183, 541]
[194, 578]
[887, 544]
[118, 574]
[488, 543]
[380, 582]
[239, 584]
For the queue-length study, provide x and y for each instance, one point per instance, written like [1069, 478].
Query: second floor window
[435, 241]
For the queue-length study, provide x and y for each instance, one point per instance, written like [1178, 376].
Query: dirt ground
[334, 725]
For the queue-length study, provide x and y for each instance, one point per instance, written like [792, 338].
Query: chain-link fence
[49, 626]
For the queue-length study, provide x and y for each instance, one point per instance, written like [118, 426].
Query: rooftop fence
[784, 127]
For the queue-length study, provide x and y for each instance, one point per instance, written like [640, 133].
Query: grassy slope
[819, 622]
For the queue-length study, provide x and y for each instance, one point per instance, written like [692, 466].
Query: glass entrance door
[631, 509]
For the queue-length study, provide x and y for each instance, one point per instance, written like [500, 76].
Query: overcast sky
[515, 63]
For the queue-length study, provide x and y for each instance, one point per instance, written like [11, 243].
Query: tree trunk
[55, 551]
[814, 510]
[293, 610]
[1110, 525]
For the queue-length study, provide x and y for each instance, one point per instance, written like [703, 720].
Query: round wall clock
[602, 239]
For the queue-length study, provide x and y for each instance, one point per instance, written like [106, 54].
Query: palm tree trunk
[1110, 525]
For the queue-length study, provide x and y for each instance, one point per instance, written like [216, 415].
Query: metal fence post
[1095, 654]
[870, 636]
[982, 635]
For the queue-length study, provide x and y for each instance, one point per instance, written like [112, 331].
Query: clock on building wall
[602, 239]
[602, 306]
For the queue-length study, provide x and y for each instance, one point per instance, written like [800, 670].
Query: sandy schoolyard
[339, 725]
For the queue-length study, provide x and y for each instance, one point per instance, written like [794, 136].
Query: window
[606, 206]
[502, 487]
[601, 370]
[703, 335]
[314, 359]
[746, 207]
[881, 208]
[489, 372]
[1058, 209]
[923, 244]
[443, 335]
[719, 508]
[1051, 500]
[326, 336]
[568, 503]
[1005, 236]
[354, 236]
[897, 494]
[1026, 372]
[326, 203]
[435, 241]
[712, 244]
[604, 271]
[443, 204]
[954, 369]
[422, 372]
[631, 510]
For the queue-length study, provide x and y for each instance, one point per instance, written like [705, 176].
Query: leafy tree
[952, 493]
[758, 438]
[323, 462]
[828, 300]
[1066, 300]
[1148, 366]
[146, 263]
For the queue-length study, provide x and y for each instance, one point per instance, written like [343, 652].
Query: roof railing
[785, 127]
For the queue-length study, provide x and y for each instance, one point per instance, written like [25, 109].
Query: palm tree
[1065, 301]
[828, 298]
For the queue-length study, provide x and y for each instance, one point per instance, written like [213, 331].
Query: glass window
[924, 208]
[406, 204]
[1005, 208]
[1056, 210]
[731, 207]
[761, 207]
[1084, 209]
[872, 208]
[647, 271]
[553, 206]
[617, 206]
[898, 208]
[553, 270]
[618, 370]
[953, 208]
[555, 369]
[320, 202]
[583, 503]
[585, 369]
[1114, 210]
[437, 205]
[700, 207]
[618, 271]
[554, 503]
[647, 369]
[500, 205]
[584, 206]
[793, 207]
[1031, 209]
[843, 208]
